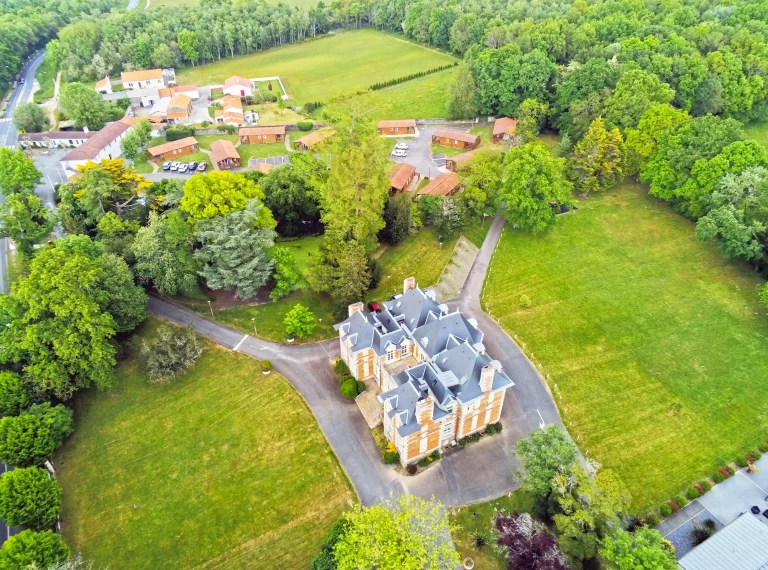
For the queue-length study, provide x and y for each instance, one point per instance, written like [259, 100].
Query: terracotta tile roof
[180, 100]
[230, 102]
[141, 75]
[237, 80]
[315, 137]
[222, 150]
[456, 135]
[405, 123]
[97, 142]
[171, 146]
[264, 167]
[252, 131]
[102, 83]
[400, 174]
[504, 125]
[185, 88]
[442, 185]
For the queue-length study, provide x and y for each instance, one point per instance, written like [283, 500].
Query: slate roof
[743, 544]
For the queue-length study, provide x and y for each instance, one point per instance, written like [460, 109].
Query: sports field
[317, 70]
[221, 468]
[653, 344]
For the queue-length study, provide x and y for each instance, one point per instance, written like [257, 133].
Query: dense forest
[26, 25]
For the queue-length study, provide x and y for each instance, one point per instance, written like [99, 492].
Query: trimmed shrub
[266, 366]
[340, 367]
[29, 439]
[304, 125]
[28, 497]
[700, 533]
[391, 457]
[741, 461]
[404, 78]
[692, 493]
[360, 387]
[673, 505]
[718, 477]
[665, 510]
[493, 428]
[30, 549]
[680, 500]
[349, 388]
[763, 446]
[755, 454]
[411, 469]
[729, 470]
[178, 132]
[309, 107]
[13, 394]
[705, 486]
[651, 519]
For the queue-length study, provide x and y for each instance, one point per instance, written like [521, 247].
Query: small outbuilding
[262, 135]
[173, 150]
[400, 177]
[311, 140]
[398, 127]
[225, 155]
[455, 139]
[444, 185]
[504, 129]
[104, 86]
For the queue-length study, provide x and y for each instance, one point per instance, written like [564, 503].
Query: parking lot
[420, 155]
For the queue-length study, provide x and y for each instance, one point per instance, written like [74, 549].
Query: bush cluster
[763, 446]
[390, 455]
[178, 132]
[304, 125]
[350, 388]
[489, 430]
[404, 78]
[718, 477]
[692, 493]
[741, 461]
[312, 106]
[680, 501]
[665, 510]
[434, 456]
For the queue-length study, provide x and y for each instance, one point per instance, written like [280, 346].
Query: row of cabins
[438, 383]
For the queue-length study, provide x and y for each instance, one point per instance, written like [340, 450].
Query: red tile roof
[456, 135]
[442, 185]
[171, 146]
[504, 126]
[400, 124]
[141, 75]
[252, 131]
[222, 150]
[400, 174]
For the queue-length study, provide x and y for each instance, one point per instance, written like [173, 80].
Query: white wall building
[100, 145]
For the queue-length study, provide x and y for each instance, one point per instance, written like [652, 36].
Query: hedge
[404, 78]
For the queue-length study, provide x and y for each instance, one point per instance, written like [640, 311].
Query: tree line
[409, 77]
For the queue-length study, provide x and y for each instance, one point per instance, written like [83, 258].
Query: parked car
[399, 153]
[192, 166]
[184, 167]
[402, 145]
[175, 166]
[374, 306]
[166, 166]
[202, 166]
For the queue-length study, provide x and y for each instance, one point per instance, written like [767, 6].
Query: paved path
[479, 472]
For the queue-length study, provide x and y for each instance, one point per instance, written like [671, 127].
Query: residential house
[225, 155]
[455, 139]
[444, 185]
[260, 135]
[103, 144]
[504, 129]
[438, 384]
[159, 111]
[232, 111]
[741, 545]
[400, 177]
[397, 128]
[173, 150]
[55, 139]
[308, 142]
[238, 87]
[179, 108]
[190, 91]
[453, 163]
[104, 86]
[144, 78]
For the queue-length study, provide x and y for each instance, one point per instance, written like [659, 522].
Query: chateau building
[438, 384]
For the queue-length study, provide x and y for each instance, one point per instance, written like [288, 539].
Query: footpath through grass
[316, 70]
[653, 344]
[221, 468]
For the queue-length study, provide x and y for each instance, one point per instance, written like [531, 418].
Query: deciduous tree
[544, 454]
[84, 106]
[397, 218]
[28, 497]
[528, 544]
[531, 118]
[30, 118]
[290, 194]
[299, 322]
[13, 394]
[32, 437]
[172, 351]
[643, 548]
[462, 97]
[641, 141]
[221, 193]
[25, 220]
[287, 275]
[635, 92]
[596, 162]
[340, 269]
[17, 172]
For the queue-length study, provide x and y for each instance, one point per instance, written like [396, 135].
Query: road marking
[242, 340]
[541, 423]
[751, 481]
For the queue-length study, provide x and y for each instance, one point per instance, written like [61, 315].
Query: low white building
[238, 87]
[55, 139]
[148, 78]
[104, 86]
[190, 91]
[100, 145]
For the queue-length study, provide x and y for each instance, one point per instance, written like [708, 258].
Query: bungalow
[179, 108]
[232, 111]
[104, 86]
[444, 185]
[504, 129]
[400, 177]
[438, 383]
[55, 139]
[148, 78]
[190, 91]
[258, 135]
[453, 163]
[311, 140]
[100, 145]
[397, 128]
[456, 139]
[238, 87]
[173, 150]
[225, 155]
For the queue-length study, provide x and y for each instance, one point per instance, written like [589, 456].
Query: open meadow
[317, 70]
[653, 345]
[223, 467]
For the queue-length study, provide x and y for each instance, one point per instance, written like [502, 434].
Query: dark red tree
[529, 546]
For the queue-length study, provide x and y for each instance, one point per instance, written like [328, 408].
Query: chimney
[408, 284]
[85, 129]
[355, 307]
[423, 410]
[486, 378]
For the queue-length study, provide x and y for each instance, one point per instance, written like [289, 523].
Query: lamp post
[211, 308]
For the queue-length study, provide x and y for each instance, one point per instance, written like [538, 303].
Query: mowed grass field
[317, 70]
[653, 345]
[223, 467]
[759, 132]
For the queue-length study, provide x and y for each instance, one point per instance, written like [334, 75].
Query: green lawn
[654, 346]
[478, 519]
[759, 132]
[486, 140]
[142, 165]
[221, 468]
[420, 256]
[423, 98]
[205, 141]
[45, 75]
[302, 248]
[247, 151]
[317, 70]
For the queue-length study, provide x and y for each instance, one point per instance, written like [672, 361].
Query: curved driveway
[480, 472]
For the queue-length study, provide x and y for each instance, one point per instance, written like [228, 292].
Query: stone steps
[371, 408]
